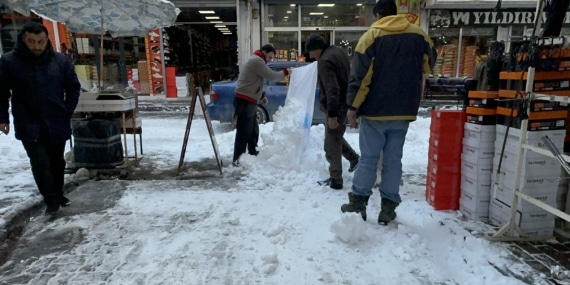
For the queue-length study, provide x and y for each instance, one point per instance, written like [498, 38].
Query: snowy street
[266, 222]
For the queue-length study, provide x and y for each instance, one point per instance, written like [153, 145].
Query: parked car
[221, 106]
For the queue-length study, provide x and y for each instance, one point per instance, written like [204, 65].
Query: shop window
[282, 16]
[347, 41]
[285, 44]
[337, 15]
[460, 60]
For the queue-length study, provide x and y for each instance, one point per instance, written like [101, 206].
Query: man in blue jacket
[385, 90]
[44, 91]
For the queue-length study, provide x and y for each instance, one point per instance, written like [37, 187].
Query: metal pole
[101, 72]
[459, 46]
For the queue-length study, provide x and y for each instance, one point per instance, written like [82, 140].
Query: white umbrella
[120, 18]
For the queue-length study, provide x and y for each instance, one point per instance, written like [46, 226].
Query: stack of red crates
[444, 159]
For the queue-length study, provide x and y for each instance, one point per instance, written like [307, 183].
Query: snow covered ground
[266, 222]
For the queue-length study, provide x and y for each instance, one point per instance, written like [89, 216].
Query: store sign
[446, 18]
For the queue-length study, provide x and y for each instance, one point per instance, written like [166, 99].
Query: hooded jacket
[250, 81]
[387, 70]
[44, 92]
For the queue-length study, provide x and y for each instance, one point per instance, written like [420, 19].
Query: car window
[283, 82]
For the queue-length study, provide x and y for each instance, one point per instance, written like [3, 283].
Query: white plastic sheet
[302, 86]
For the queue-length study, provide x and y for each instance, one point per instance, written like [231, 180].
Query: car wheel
[261, 115]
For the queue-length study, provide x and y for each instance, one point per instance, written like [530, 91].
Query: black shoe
[236, 163]
[64, 202]
[52, 209]
[331, 183]
[255, 152]
[353, 165]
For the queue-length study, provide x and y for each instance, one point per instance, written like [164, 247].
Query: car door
[276, 93]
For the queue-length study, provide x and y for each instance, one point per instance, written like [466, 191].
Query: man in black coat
[334, 69]
[44, 90]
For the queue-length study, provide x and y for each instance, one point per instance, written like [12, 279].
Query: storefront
[462, 35]
[287, 25]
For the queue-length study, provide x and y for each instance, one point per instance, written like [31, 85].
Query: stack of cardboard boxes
[477, 155]
[539, 174]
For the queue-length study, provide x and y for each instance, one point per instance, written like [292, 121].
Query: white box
[474, 203]
[533, 138]
[473, 150]
[505, 195]
[500, 214]
[475, 215]
[480, 133]
[474, 186]
[477, 166]
[531, 166]
[481, 178]
[528, 184]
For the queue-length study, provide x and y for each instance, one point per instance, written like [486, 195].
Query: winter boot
[388, 212]
[356, 204]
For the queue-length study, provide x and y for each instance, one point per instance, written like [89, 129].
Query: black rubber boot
[388, 212]
[356, 204]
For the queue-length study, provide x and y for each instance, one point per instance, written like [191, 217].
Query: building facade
[463, 30]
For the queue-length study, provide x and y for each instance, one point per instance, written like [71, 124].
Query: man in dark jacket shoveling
[43, 89]
[334, 68]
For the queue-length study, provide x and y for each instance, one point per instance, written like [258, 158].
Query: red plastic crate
[447, 121]
[443, 152]
[446, 139]
[441, 202]
[447, 184]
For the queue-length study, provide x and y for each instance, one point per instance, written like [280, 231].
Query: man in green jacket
[385, 90]
[249, 91]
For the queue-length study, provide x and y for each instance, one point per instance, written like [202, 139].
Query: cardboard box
[533, 138]
[144, 86]
[473, 150]
[481, 133]
[479, 166]
[539, 222]
[533, 164]
[528, 184]
[144, 74]
[475, 203]
[478, 186]
[481, 214]
[506, 195]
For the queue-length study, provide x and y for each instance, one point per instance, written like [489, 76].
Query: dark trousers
[247, 129]
[48, 166]
[336, 147]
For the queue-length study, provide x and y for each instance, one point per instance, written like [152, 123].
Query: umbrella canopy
[120, 18]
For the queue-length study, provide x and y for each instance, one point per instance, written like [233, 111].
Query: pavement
[20, 235]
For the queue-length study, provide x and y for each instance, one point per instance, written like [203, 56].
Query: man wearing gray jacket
[249, 91]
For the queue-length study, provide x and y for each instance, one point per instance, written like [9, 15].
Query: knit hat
[314, 42]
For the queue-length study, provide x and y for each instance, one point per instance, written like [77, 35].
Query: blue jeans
[376, 137]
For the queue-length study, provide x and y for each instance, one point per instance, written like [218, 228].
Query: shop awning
[478, 4]
[204, 3]
[313, 2]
